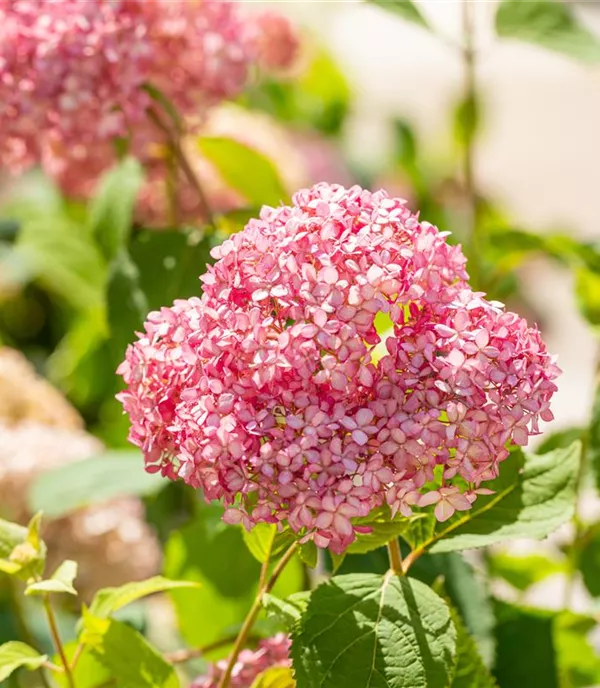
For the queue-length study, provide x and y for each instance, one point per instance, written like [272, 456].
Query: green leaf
[578, 662]
[22, 551]
[127, 304]
[470, 671]
[64, 259]
[276, 677]
[14, 655]
[169, 263]
[60, 581]
[533, 496]
[88, 672]
[111, 211]
[587, 291]
[287, 611]
[589, 560]
[109, 600]
[525, 654]
[550, 24]
[11, 535]
[245, 170]
[309, 554]
[374, 632]
[265, 542]
[560, 440]
[98, 479]
[523, 571]
[129, 657]
[405, 9]
[383, 530]
[466, 120]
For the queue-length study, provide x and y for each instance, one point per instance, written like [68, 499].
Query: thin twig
[173, 139]
[253, 613]
[185, 655]
[57, 641]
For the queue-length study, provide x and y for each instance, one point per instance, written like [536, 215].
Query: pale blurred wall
[539, 153]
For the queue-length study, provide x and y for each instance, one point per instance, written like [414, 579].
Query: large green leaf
[88, 672]
[523, 571]
[374, 632]
[276, 677]
[288, 611]
[98, 479]
[131, 660]
[245, 170]
[111, 211]
[109, 600]
[470, 671]
[550, 24]
[532, 497]
[14, 655]
[265, 542]
[405, 9]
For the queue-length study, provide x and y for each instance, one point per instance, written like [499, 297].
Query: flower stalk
[54, 632]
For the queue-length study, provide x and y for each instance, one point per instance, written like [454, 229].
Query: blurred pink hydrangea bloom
[266, 392]
[272, 652]
[72, 74]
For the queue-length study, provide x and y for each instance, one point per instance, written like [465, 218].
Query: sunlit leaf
[405, 9]
[60, 581]
[14, 655]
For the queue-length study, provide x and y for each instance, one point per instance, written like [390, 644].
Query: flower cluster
[272, 652]
[268, 393]
[73, 75]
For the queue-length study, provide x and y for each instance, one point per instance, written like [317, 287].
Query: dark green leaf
[309, 554]
[374, 632]
[14, 655]
[405, 9]
[383, 530]
[559, 440]
[110, 600]
[98, 479]
[589, 560]
[245, 170]
[111, 211]
[550, 24]
[131, 660]
[289, 610]
[532, 497]
[470, 671]
[60, 581]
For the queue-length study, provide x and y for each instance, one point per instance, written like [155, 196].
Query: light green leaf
[111, 211]
[532, 497]
[289, 610]
[109, 600]
[245, 170]
[523, 571]
[578, 662]
[550, 24]
[276, 677]
[11, 535]
[129, 657]
[470, 671]
[14, 655]
[467, 120]
[309, 554]
[88, 672]
[265, 542]
[60, 581]
[27, 557]
[587, 291]
[383, 530]
[405, 9]
[98, 479]
[375, 632]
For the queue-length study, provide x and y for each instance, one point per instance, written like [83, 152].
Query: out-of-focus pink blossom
[265, 392]
[73, 75]
[277, 43]
[272, 652]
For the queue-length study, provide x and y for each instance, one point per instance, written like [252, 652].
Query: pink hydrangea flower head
[267, 392]
[276, 42]
[73, 72]
[272, 652]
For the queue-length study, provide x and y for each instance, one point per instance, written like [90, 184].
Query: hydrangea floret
[267, 393]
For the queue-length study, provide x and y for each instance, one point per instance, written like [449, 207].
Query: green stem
[253, 614]
[57, 640]
[395, 556]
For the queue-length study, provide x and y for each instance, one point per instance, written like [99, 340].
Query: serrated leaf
[276, 677]
[109, 600]
[383, 530]
[131, 660]
[470, 671]
[405, 9]
[550, 24]
[533, 496]
[265, 542]
[14, 655]
[375, 632]
[289, 610]
[111, 210]
[98, 479]
[60, 581]
[309, 554]
[245, 170]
